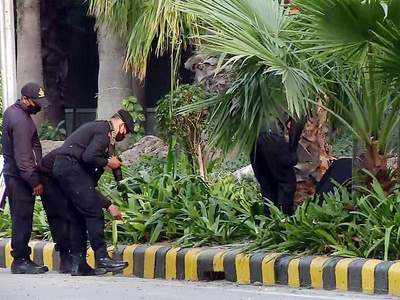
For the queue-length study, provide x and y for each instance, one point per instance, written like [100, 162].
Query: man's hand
[115, 213]
[114, 163]
[38, 190]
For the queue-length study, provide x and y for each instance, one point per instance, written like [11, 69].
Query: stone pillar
[7, 52]
[114, 83]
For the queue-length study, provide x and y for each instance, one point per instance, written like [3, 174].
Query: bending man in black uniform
[55, 204]
[78, 166]
[22, 154]
[273, 160]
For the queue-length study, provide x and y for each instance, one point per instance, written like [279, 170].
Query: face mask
[33, 110]
[119, 136]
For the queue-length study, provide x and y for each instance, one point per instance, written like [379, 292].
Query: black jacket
[46, 169]
[21, 145]
[273, 142]
[89, 146]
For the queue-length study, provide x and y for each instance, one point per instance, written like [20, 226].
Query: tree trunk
[114, 83]
[29, 52]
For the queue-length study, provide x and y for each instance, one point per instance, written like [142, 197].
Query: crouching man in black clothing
[273, 160]
[78, 166]
[22, 154]
[55, 204]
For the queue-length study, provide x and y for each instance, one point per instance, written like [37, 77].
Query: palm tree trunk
[114, 83]
[29, 52]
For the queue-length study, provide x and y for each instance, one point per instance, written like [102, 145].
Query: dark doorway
[158, 83]
[70, 59]
[158, 76]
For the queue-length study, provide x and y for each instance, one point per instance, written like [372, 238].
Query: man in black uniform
[273, 160]
[78, 166]
[22, 153]
[55, 204]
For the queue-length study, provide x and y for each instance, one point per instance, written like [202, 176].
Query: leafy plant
[378, 226]
[48, 132]
[188, 129]
[183, 208]
[131, 105]
[314, 228]
[40, 227]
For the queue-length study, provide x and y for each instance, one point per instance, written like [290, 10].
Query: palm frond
[145, 26]
[339, 28]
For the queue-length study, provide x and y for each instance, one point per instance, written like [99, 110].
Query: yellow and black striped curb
[369, 276]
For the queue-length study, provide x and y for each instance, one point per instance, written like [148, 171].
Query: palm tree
[270, 77]
[358, 42]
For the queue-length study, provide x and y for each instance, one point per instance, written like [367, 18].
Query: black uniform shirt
[89, 145]
[21, 145]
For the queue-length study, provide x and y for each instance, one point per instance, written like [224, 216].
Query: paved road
[61, 287]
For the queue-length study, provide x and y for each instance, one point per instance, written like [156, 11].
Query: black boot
[26, 266]
[65, 263]
[111, 265]
[81, 268]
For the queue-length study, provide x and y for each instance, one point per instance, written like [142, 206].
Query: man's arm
[107, 204]
[24, 152]
[95, 152]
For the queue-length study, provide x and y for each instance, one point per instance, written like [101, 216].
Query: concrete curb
[368, 276]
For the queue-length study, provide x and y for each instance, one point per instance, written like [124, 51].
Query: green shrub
[40, 227]
[188, 129]
[182, 208]
[131, 105]
[313, 229]
[378, 223]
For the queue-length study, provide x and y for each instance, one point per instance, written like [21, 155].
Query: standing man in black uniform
[273, 160]
[22, 153]
[78, 166]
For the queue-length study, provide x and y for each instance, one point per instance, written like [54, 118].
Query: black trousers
[22, 203]
[55, 204]
[86, 213]
[273, 165]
